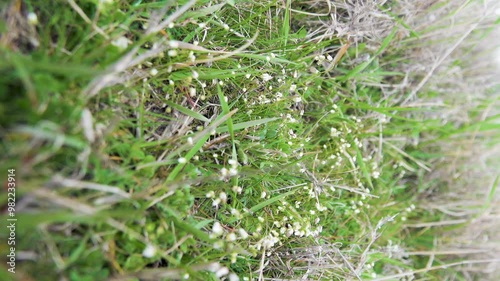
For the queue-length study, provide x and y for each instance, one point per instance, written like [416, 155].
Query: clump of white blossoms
[267, 242]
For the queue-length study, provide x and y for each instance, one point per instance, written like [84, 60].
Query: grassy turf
[162, 140]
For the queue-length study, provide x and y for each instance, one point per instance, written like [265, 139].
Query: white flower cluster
[222, 198]
[231, 172]
[407, 211]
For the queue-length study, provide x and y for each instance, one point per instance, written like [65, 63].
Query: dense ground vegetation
[237, 140]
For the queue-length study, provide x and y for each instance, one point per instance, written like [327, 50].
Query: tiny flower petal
[149, 251]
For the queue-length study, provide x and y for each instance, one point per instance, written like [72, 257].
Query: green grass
[256, 142]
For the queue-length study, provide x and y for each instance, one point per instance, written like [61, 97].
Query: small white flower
[263, 194]
[202, 25]
[231, 237]
[237, 189]
[235, 212]
[233, 172]
[195, 75]
[297, 99]
[185, 276]
[221, 272]
[268, 58]
[226, 27]
[293, 87]
[329, 58]
[172, 53]
[266, 77]
[153, 71]
[223, 196]
[32, 18]
[233, 277]
[210, 194]
[217, 229]
[171, 25]
[121, 43]
[243, 234]
[224, 172]
[216, 202]
[261, 219]
[247, 76]
[190, 140]
[149, 251]
[192, 92]
[182, 160]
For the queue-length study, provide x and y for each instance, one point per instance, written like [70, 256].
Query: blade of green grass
[187, 111]
[247, 124]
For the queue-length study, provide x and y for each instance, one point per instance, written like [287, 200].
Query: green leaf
[187, 111]
[270, 201]
[247, 124]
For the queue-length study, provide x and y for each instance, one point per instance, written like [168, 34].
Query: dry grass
[470, 166]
